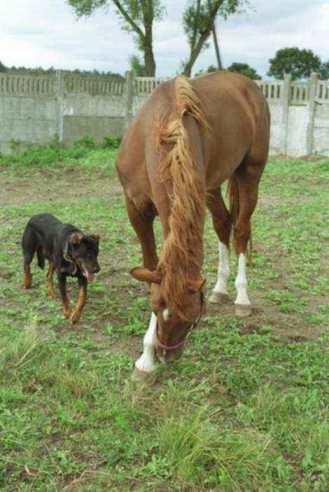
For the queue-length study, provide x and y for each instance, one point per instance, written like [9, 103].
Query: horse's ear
[196, 285]
[146, 275]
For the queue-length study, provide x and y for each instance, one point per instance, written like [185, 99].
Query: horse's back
[237, 116]
[239, 122]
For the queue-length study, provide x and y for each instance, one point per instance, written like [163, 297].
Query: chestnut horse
[188, 138]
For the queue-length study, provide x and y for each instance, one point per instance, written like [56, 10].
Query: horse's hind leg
[245, 195]
[222, 225]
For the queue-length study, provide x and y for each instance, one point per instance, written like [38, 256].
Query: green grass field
[247, 406]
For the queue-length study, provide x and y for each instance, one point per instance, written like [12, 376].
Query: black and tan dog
[68, 251]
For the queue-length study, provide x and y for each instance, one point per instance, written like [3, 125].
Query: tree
[3, 68]
[210, 69]
[324, 71]
[198, 22]
[299, 63]
[137, 16]
[244, 69]
[137, 66]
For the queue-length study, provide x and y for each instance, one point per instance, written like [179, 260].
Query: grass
[245, 408]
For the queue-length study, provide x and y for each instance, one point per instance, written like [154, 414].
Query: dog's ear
[95, 237]
[76, 238]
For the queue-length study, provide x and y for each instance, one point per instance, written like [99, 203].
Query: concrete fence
[37, 109]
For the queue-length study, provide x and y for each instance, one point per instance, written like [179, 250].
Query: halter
[182, 342]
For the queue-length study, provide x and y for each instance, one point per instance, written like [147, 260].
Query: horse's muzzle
[165, 356]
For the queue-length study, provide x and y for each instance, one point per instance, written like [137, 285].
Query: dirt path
[50, 185]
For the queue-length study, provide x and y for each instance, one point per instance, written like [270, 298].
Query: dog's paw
[67, 313]
[75, 316]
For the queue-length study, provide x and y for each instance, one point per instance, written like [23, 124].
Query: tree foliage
[137, 17]
[300, 63]
[203, 71]
[244, 69]
[198, 21]
[136, 66]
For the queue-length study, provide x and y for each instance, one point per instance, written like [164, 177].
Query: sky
[47, 33]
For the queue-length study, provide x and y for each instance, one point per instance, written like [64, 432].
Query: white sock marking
[146, 362]
[241, 282]
[223, 269]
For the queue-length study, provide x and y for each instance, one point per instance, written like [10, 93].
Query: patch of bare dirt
[52, 185]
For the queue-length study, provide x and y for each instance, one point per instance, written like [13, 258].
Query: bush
[54, 152]
[86, 141]
[111, 142]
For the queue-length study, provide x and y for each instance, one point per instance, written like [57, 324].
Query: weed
[245, 408]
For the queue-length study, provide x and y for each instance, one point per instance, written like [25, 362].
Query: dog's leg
[64, 295]
[27, 275]
[50, 281]
[29, 245]
[82, 299]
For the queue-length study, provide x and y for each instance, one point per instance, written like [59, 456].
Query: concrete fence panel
[36, 109]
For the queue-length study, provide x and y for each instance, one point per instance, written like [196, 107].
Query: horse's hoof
[142, 376]
[219, 298]
[243, 310]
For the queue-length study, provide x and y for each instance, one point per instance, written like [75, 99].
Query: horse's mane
[182, 252]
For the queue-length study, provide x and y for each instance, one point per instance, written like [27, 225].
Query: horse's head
[174, 320]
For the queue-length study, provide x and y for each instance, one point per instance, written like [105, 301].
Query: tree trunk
[214, 35]
[189, 65]
[149, 61]
[195, 52]
[219, 61]
[196, 49]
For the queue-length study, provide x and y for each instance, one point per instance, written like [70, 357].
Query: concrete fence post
[313, 86]
[60, 104]
[285, 113]
[129, 97]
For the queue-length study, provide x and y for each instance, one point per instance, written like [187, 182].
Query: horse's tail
[183, 246]
[234, 208]
[234, 202]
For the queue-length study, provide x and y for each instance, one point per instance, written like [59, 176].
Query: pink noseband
[170, 347]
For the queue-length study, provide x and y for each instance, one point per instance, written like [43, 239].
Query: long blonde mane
[182, 253]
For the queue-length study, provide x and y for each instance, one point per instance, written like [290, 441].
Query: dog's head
[83, 250]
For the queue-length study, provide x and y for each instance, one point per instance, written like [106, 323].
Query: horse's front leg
[222, 225]
[147, 362]
[142, 222]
